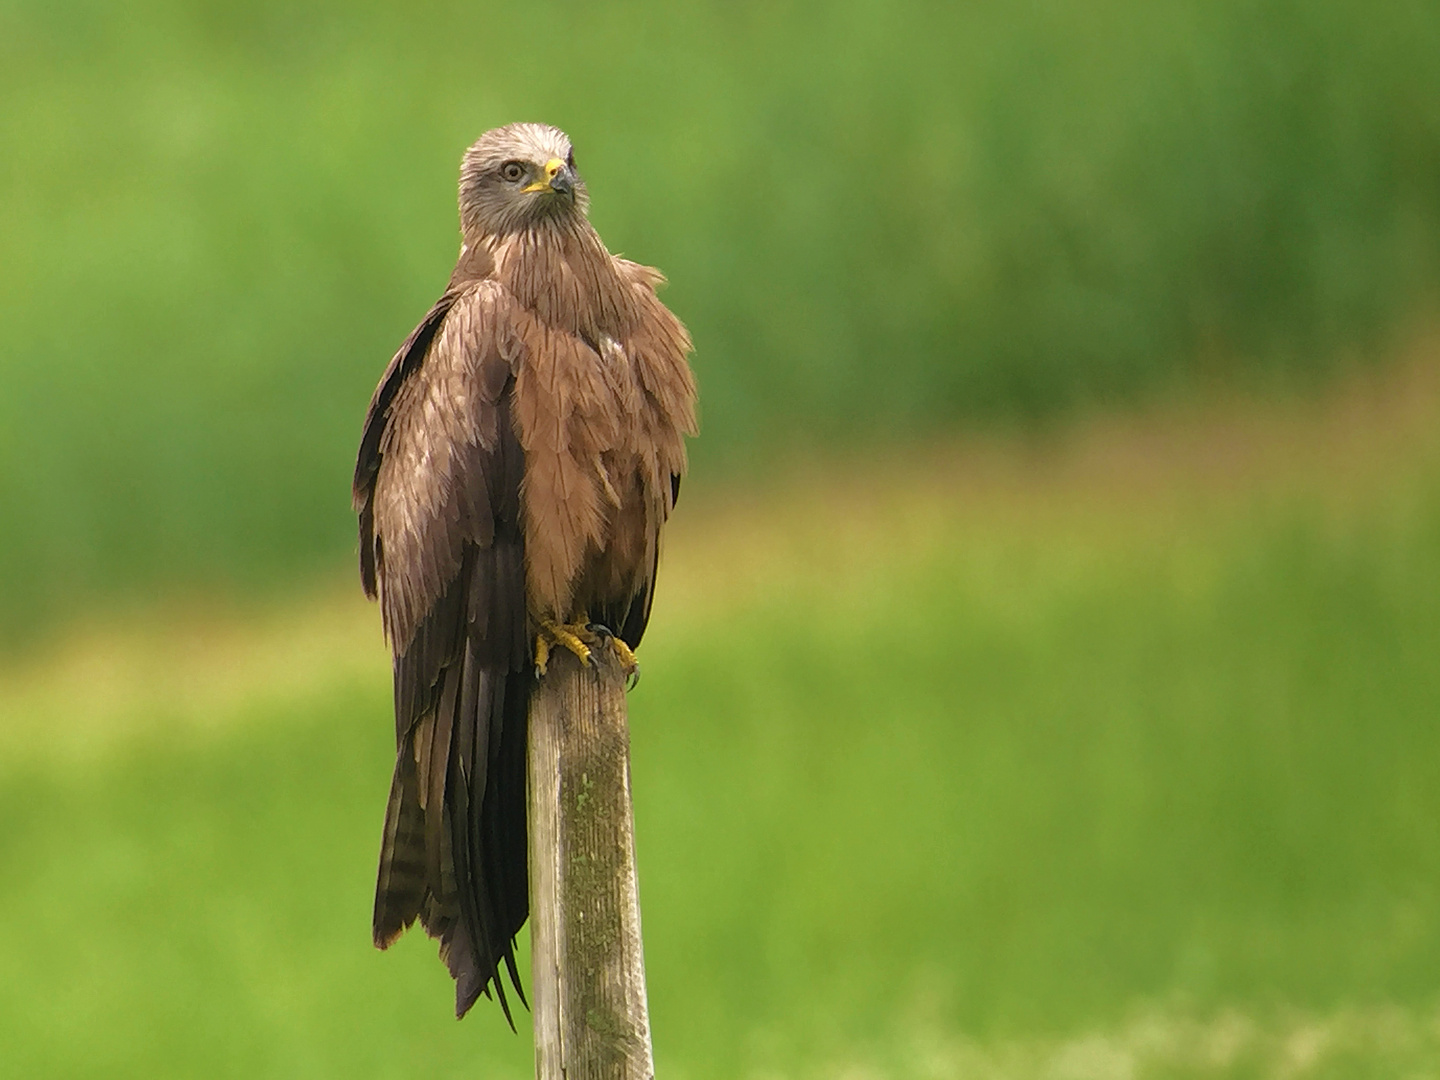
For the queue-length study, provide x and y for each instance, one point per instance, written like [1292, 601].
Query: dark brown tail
[453, 853]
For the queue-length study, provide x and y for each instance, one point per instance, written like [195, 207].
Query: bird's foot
[576, 636]
[583, 638]
[629, 664]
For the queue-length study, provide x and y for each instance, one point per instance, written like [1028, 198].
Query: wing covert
[447, 469]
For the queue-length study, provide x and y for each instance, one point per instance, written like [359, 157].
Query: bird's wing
[437, 489]
[367, 464]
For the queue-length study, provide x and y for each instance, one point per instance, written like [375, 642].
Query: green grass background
[1006, 790]
[1056, 802]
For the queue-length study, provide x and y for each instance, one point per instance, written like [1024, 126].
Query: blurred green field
[1110, 758]
[1043, 680]
[879, 217]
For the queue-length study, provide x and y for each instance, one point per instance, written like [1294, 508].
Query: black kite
[519, 459]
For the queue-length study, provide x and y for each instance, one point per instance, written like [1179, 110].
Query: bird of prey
[519, 459]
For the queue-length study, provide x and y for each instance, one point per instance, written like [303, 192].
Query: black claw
[600, 630]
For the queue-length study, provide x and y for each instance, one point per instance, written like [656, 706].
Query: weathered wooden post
[591, 1021]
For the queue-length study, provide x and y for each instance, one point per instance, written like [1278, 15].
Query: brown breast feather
[603, 399]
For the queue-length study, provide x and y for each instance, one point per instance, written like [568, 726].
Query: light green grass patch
[1056, 793]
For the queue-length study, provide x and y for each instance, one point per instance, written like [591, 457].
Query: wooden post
[588, 971]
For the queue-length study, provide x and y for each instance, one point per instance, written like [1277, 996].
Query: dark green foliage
[219, 221]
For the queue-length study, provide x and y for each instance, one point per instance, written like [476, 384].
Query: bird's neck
[560, 270]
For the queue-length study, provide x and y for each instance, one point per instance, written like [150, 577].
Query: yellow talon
[628, 663]
[582, 639]
[571, 637]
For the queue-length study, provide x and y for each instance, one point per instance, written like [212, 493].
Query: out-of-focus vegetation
[1109, 761]
[1118, 765]
[218, 221]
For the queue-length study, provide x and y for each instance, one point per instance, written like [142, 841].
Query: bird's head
[516, 176]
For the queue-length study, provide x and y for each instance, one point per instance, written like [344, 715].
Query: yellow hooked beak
[557, 178]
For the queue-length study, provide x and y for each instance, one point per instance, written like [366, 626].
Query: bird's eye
[512, 170]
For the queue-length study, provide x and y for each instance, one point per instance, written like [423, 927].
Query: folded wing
[437, 490]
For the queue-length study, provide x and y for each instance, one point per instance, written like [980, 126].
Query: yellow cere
[553, 166]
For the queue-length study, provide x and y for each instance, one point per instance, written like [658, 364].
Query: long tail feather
[400, 887]
[454, 851]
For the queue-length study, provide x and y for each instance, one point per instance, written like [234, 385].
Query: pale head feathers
[518, 176]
